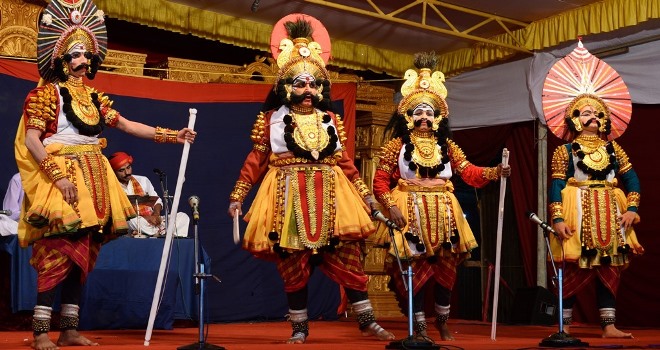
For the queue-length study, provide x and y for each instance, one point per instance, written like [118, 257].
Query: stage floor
[343, 335]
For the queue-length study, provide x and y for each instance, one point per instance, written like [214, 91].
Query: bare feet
[445, 334]
[612, 332]
[71, 337]
[377, 331]
[42, 342]
[566, 329]
[297, 338]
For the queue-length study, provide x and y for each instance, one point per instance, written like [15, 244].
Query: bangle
[240, 191]
[52, 170]
[361, 187]
[164, 135]
[556, 210]
[386, 200]
[633, 199]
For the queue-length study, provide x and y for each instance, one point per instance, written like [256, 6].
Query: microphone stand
[166, 206]
[560, 339]
[410, 342]
[200, 277]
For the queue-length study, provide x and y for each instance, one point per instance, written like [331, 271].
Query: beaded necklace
[596, 156]
[306, 137]
[81, 107]
[422, 153]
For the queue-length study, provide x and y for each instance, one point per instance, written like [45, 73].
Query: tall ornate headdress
[424, 87]
[65, 23]
[300, 44]
[581, 79]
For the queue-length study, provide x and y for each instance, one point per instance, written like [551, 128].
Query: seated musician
[149, 205]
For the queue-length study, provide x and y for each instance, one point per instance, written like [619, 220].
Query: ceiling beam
[435, 6]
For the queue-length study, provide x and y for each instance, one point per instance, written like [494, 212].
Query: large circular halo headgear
[425, 86]
[64, 24]
[581, 79]
[301, 45]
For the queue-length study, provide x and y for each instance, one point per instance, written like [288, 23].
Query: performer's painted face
[124, 173]
[79, 60]
[423, 116]
[305, 91]
[589, 118]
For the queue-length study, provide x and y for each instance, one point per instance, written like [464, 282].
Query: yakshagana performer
[412, 182]
[586, 102]
[73, 201]
[310, 208]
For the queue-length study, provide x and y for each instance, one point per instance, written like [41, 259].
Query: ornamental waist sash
[430, 209]
[309, 202]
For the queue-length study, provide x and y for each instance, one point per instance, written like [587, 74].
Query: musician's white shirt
[141, 224]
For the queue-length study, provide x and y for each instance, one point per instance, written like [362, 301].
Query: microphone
[5, 212]
[159, 172]
[255, 5]
[194, 203]
[544, 225]
[380, 217]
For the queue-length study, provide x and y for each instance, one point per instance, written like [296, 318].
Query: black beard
[418, 122]
[298, 99]
[81, 66]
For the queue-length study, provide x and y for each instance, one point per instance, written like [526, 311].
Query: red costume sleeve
[387, 171]
[256, 162]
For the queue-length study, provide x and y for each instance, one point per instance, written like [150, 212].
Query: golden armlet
[491, 174]
[556, 210]
[164, 135]
[633, 199]
[361, 187]
[386, 200]
[240, 191]
[52, 170]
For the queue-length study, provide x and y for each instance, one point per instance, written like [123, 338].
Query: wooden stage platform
[342, 335]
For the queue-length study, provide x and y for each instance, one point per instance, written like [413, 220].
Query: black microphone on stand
[194, 204]
[544, 225]
[159, 172]
[376, 214]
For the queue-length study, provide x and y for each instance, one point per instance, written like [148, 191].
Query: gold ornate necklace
[309, 133]
[426, 152]
[81, 101]
[595, 154]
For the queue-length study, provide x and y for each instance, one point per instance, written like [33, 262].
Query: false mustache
[419, 122]
[296, 99]
[81, 66]
[585, 124]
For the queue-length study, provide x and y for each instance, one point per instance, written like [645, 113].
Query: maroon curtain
[481, 146]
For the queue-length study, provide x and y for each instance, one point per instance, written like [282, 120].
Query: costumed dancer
[312, 207]
[73, 201]
[586, 103]
[412, 182]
